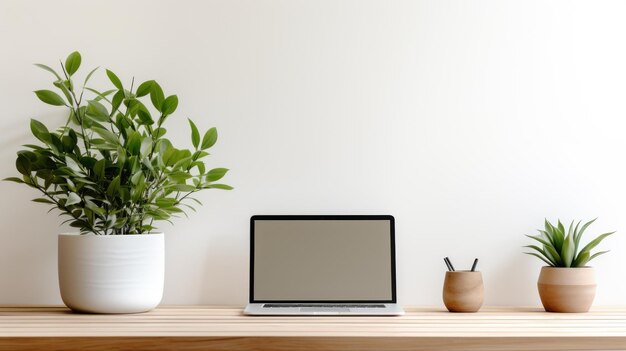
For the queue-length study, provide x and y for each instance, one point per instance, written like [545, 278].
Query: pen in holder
[463, 291]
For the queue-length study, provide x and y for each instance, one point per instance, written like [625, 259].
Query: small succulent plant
[561, 249]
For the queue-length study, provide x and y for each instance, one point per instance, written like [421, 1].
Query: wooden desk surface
[226, 328]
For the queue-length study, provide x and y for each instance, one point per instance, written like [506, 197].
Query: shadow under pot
[567, 289]
[463, 291]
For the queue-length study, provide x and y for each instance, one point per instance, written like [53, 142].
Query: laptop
[322, 265]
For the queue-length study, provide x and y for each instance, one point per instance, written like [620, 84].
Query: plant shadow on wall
[112, 172]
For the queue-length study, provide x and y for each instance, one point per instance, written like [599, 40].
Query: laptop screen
[322, 258]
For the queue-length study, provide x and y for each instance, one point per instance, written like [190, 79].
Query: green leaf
[168, 156]
[69, 142]
[179, 176]
[144, 115]
[200, 154]
[99, 169]
[101, 95]
[72, 63]
[145, 88]
[541, 240]
[42, 200]
[47, 68]
[50, 97]
[561, 227]
[79, 224]
[541, 258]
[216, 174]
[195, 135]
[93, 207]
[159, 132]
[72, 199]
[182, 187]
[116, 102]
[593, 243]
[97, 111]
[597, 254]
[89, 75]
[156, 96]
[39, 130]
[23, 165]
[200, 166]
[543, 253]
[73, 165]
[559, 236]
[133, 144]
[582, 230]
[165, 202]
[219, 186]
[550, 250]
[169, 105]
[576, 237]
[14, 179]
[115, 80]
[135, 178]
[209, 139]
[582, 258]
[567, 252]
[107, 135]
[63, 86]
[571, 228]
[114, 187]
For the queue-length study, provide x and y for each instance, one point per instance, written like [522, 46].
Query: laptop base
[258, 309]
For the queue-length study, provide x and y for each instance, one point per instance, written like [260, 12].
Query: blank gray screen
[321, 260]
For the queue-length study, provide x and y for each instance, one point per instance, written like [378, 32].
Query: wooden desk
[225, 328]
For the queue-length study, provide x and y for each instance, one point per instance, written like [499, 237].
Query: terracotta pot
[567, 289]
[463, 291]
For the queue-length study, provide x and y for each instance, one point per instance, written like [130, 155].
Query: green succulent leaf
[560, 249]
[581, 259]
[597, 254]
[584, 227]
[593, 243]
[567, 252]
[547, 258]
[540, 257]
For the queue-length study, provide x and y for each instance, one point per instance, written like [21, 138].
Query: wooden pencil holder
[463, 291]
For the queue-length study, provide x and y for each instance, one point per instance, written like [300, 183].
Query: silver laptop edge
[289, 278]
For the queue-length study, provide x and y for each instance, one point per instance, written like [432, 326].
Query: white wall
[470, 121]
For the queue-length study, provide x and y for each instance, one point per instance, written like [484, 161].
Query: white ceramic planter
[111, 273]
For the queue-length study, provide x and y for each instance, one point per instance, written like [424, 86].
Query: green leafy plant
[561, 249]
[109, 168]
